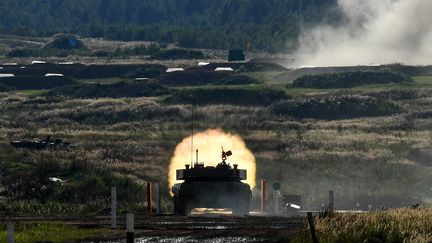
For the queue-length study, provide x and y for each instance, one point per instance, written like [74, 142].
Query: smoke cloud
[374, 32]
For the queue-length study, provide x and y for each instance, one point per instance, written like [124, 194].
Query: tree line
[267, 25]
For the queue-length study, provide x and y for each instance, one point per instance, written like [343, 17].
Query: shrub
[349, 79]
[407, 70]
[177, 54]
[236, 55]
[140, 50]
[343, 107]
[46, 52]
[66, 42]
[20, 53]
[146, 72]
[233, 96]
[237, 79]
[5, 88]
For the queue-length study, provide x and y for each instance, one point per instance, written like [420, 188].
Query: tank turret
[212, 187]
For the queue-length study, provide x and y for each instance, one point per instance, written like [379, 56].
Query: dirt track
[200, 228]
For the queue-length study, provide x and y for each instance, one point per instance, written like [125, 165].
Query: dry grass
[366, 157]
[399, 225]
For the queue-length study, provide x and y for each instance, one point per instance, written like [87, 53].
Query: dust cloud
[372, 32]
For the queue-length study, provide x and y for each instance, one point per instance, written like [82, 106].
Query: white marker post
[130, 228]
[158, 198]
[113, 207]
[10, 232]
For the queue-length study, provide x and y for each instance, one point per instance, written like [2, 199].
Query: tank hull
[212, 194]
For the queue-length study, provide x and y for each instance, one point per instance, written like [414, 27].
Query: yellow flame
[209, 145]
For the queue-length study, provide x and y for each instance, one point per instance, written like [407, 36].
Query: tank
[218, 186]
[40, 144]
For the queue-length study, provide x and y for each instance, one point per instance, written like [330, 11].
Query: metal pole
[130, 228]
[331, 201]
[149, 197]
[158, 198]
[263, 195]
[10, 233]
[113, 207]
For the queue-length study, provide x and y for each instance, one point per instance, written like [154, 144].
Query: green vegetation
[146, 72]
[224, 24]
[238, 79]
[85, 190]
[399, 225]
[55, 232]
[331, 108]
[349, 79]
[45, 53]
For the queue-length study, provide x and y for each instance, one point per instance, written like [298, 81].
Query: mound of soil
[34, 82]
[232, 96]
[407, 70]
[192, 77]
[334, 108]
[115, 70]
[117, 90]
[261, 67]
[349, 79]
[44, 68]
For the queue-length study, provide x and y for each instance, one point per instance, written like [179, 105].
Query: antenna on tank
[192, 147]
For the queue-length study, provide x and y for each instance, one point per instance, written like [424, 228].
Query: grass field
[55, 232]
[377, 160]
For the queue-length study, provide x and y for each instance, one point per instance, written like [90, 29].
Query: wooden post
[263, 195]
[158, 198]
[130, 228]
[276, 201]
[113, 207]
[331, 201]
[149, 197]
[312, 228]
[10, 233]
